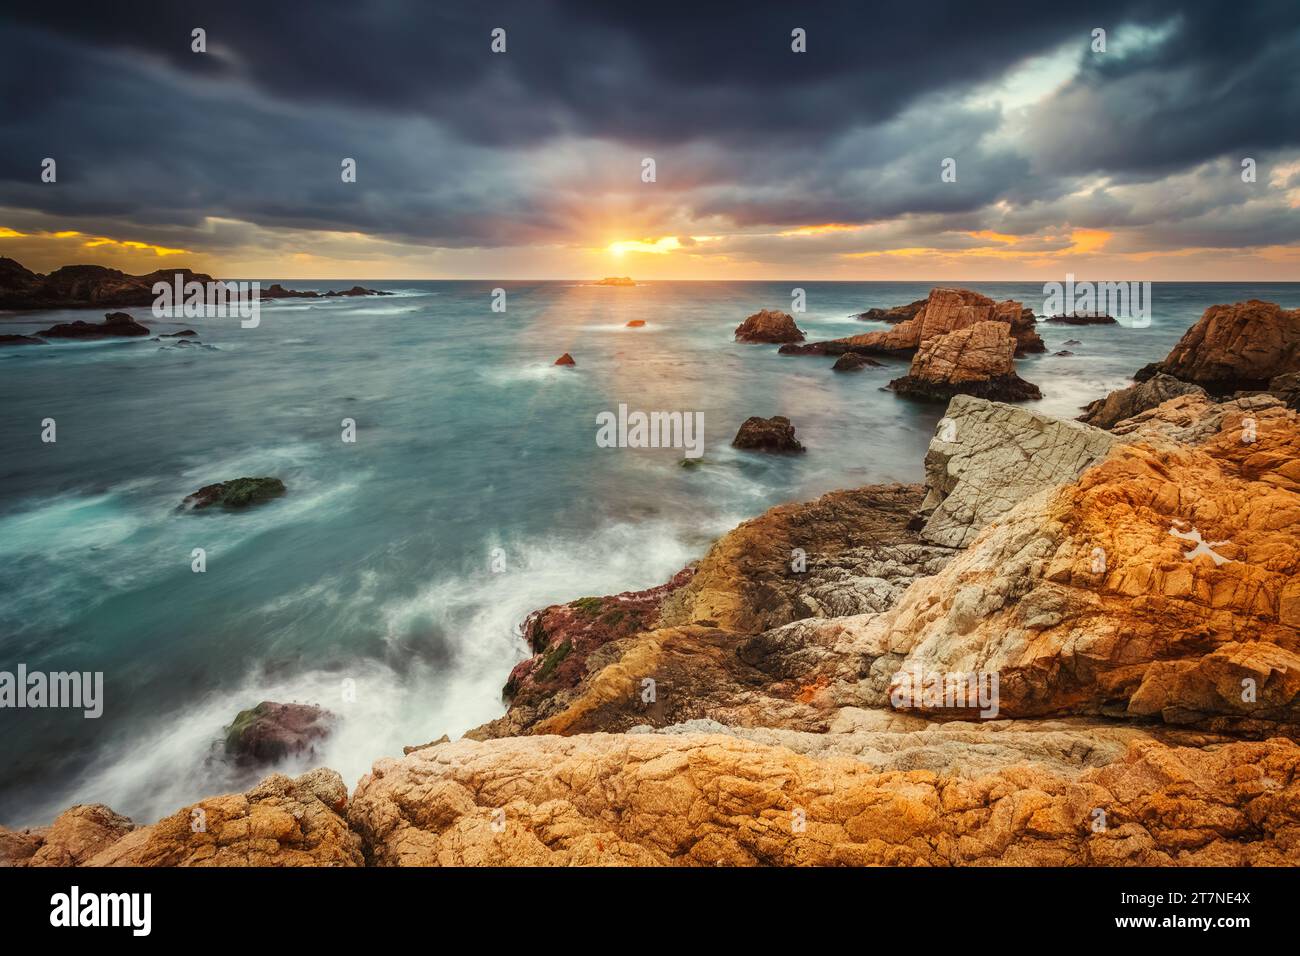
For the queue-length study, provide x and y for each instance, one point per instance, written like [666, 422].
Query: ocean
[387, 585]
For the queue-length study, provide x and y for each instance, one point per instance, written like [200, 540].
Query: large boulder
[975, 360]
[987, 457]
[235, 494]
[270, 732]
[1126, 402]
[1235, 347]
[115, 325]
[774, 434]
[769, 326]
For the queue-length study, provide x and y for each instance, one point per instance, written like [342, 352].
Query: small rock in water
[853, 362]
[239, 493]
[565, 359]
[270, 731]
[774, 434]
[636, 323]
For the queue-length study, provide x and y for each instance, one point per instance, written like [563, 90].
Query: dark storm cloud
[452, 141]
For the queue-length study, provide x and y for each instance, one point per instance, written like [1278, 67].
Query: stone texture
[997, 456]
[1232, 347]
[976, 360]
[280, 822]
[1094, 597]
[695, 799]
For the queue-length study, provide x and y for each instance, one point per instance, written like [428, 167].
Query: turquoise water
[377, 567]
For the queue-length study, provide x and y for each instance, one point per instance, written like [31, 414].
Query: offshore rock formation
[853, 362]
[1083, 318]
[769, 326]
[774, 434]
[1235, 347]
[82, 287]
[115, 325]
[899, 313]
[976, 360]
[277, 291]
[946, 310]
[235, 494]
[1126, 402]
[74, 287]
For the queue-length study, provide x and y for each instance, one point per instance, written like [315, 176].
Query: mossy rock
[239, 493]
[552, 660]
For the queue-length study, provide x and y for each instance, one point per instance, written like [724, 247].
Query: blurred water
[376, 566]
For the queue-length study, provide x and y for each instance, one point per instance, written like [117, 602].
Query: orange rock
[565, 359]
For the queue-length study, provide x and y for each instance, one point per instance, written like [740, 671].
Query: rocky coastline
[1131, 579]
[91, 287]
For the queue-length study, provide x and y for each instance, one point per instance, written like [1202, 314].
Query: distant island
[74, 287]
[616, 280]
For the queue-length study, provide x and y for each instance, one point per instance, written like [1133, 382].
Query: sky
[1122, 163]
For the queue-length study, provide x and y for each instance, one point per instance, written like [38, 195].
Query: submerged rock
[1083, 318]
[769, 326]
[616, 281]
[853, 362]
[270, 732]
[774, 434]
[21, 340]
[115, 325]
[239, 493]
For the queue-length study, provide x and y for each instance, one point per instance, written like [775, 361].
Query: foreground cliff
[1135, 591]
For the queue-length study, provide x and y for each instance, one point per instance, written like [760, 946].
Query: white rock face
[998, 456]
